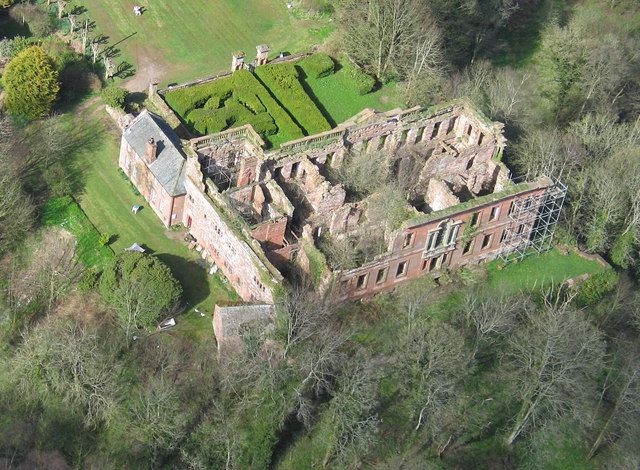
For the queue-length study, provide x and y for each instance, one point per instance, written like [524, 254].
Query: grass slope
[64, 212]
[193, 38]
[107, 198]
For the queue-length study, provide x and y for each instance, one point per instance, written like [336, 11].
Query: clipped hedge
[317, 65]
[231, 102]
[283, 81]
[363, 82]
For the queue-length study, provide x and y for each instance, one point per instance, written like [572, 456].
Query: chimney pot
[152, 149]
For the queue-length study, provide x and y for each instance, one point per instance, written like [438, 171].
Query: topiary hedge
[231, 102]
[284, 83]
[317, 65]
[363, 82]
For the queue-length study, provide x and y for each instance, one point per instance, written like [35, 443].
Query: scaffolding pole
[532, 222]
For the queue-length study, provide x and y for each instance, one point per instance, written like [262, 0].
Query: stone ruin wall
[228, 250]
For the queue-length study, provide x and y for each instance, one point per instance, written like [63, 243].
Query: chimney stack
[262, 53]
[150, 154]
[237, 61]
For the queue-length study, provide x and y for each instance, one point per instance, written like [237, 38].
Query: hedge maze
[273, 101]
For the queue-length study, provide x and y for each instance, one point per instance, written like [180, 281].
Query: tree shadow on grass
[192, 276]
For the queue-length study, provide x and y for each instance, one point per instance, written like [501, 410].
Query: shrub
[31, 83]
[6, 48]
[318, 65]
[114, 96]
[594, 289]
[88, 281]
[40, 23]
[283, 81]
[363, 82]
[104, 239]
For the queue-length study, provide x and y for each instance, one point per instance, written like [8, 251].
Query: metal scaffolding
[532, 223]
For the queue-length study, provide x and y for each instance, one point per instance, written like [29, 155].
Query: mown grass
[337, 96]
[107, 198]
[195, 38]
[538, 271]
[65, 213]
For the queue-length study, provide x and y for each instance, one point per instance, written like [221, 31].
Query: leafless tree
[72, 361]
[84, 35]
[435, 360]
[554, 359]
[390, 35]
[73, 19]
[95, 50]
[302, 313]
[490, 317]
[353, 414]
[61, 6]
[622, 386]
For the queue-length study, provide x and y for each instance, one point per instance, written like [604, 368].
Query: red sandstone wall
[412, 255]
[167, 208]
[232, 255]
[271, 233]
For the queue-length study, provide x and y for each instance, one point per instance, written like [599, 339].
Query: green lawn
[64, 212]
[338, 99]
[538, 271]
[192, 38]
[106, 197]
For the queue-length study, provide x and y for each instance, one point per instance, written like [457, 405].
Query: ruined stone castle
[258, 214]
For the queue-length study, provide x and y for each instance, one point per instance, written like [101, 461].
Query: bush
[594, 289]
[114, 96]
[6, 48]
[104, 239]
[283, 81]
[363, 82]
[31, 83]
[88, 281]
[318, 65]
[40, 23]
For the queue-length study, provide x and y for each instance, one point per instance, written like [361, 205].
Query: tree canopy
[140, 288]
[31, 83]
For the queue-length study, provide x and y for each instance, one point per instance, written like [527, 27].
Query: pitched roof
[169, 166]
[232, 318]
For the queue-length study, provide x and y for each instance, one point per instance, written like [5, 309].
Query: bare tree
[73, 361]
[73, 19]
[490, 317]
[84, 34]
[301, 314]
[553, 360]
[95, 50]
[352, 413]
[61, 6]
[390, 35]
[622, 386]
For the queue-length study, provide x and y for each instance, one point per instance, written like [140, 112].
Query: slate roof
[232, 318]
[169, 166]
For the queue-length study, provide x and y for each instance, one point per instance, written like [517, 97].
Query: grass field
[106, 198]
[192, 38]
